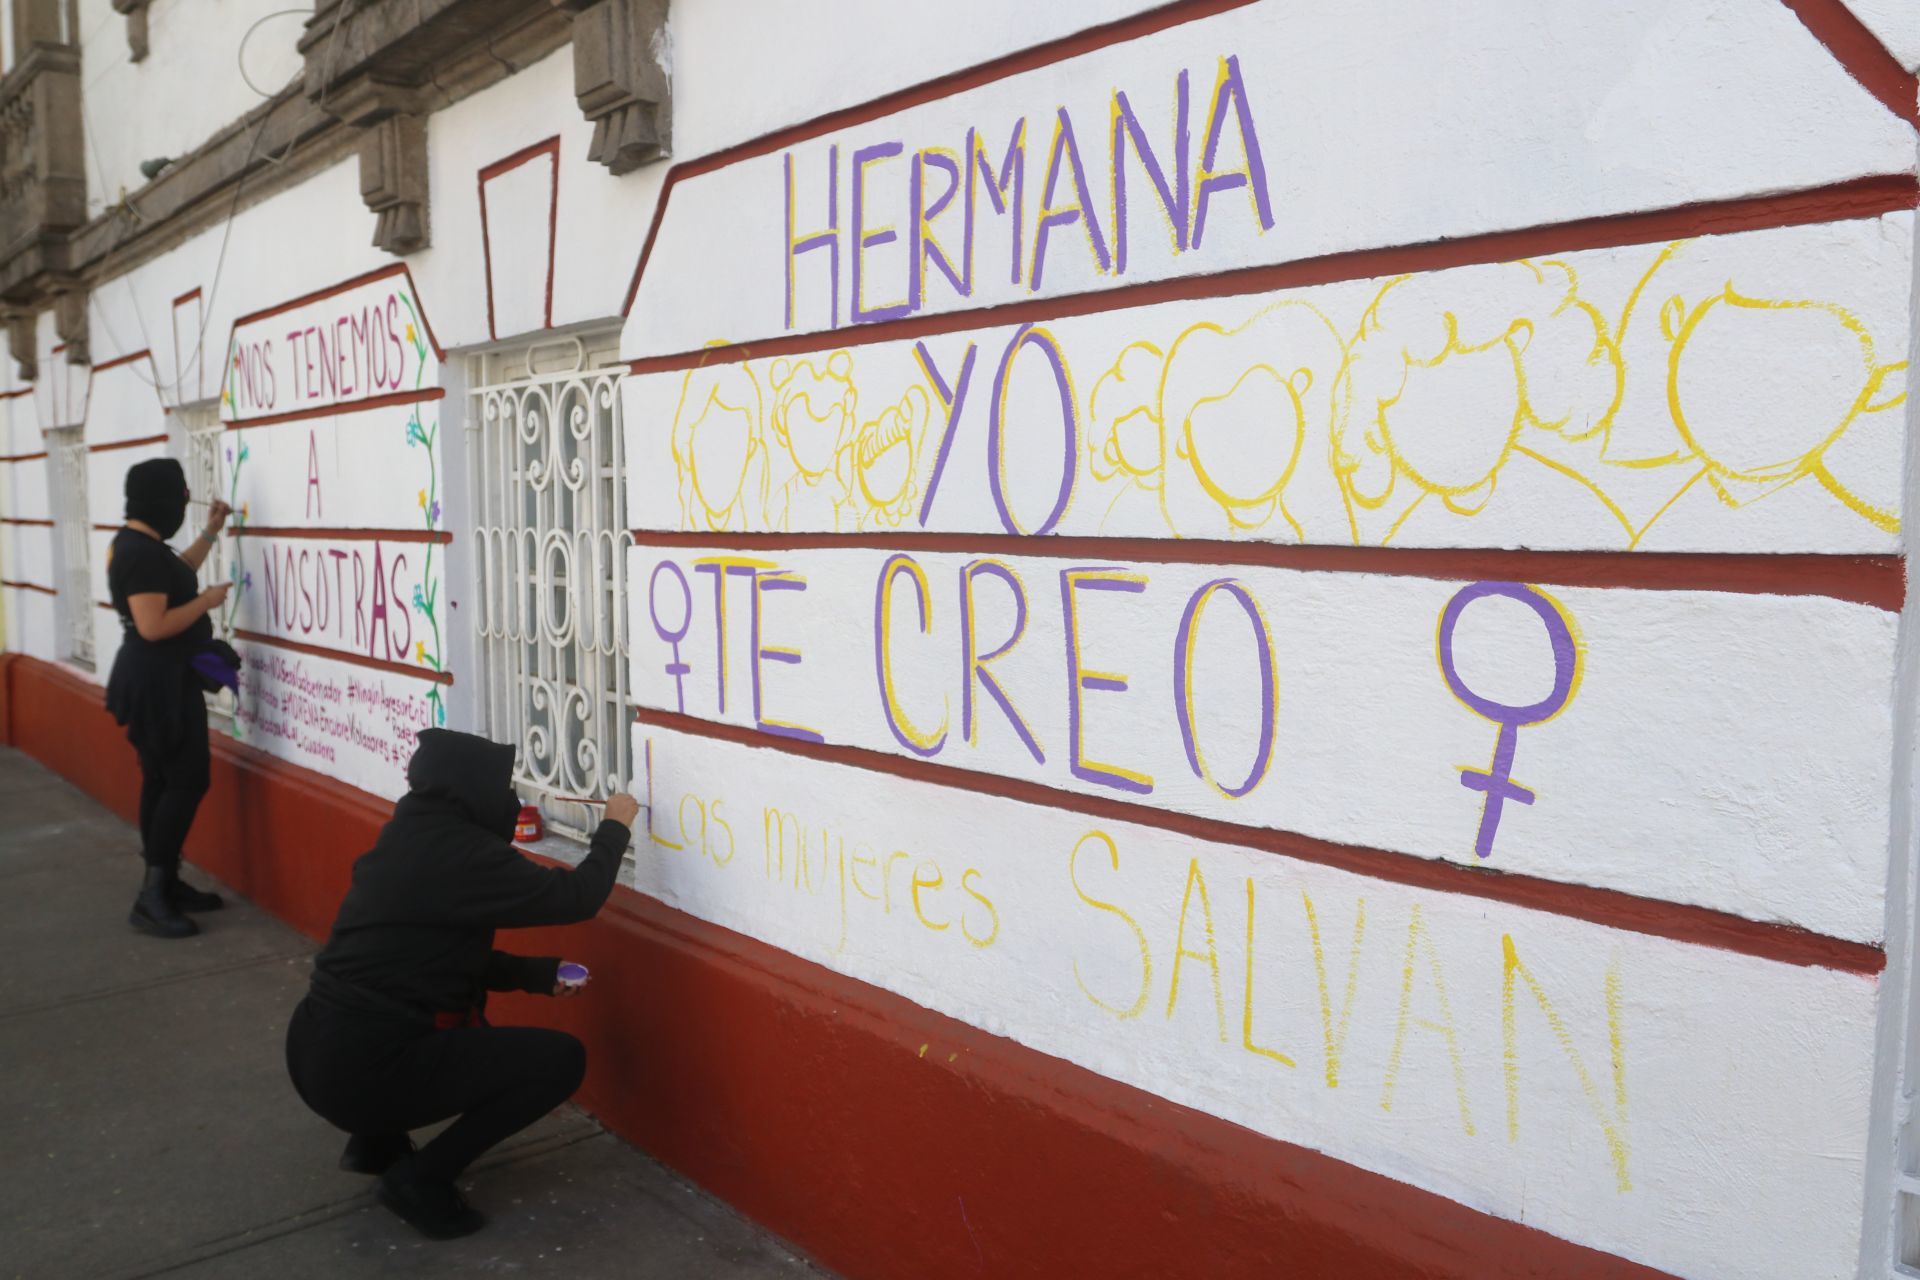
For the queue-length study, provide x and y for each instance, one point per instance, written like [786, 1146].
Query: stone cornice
[375, 70]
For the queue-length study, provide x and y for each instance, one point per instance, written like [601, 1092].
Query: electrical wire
[160, 387]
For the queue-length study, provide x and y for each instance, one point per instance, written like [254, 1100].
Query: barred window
[549, 501]
[72, 542]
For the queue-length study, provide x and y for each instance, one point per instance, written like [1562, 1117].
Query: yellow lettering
[1139, 935]
[1246, 1007]
[1336, 1041]
[1419, 941]
[854, 875]
[886, 880]
[1613, 1123]
[920, 881]
[966, 882]
[1182, 952]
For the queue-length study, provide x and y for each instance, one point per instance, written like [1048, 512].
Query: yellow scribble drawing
[720, 450]
[1504, 404]
[813, 415]
[878, 466]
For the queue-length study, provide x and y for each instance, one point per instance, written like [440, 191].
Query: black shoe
[187, 898]
[374, 1154]
[435, 1209]
[154, 913]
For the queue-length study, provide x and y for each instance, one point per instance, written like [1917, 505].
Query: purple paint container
[572, 973]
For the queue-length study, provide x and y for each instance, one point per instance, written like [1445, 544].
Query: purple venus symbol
[1497, 780]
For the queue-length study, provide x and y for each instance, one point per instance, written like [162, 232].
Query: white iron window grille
[206, 436]
[72, 543]
[550, 550]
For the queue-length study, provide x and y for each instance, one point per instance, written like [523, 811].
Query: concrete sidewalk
[149, 1129]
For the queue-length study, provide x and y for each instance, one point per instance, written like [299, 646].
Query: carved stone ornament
[393, 182]
[20, 340]
[621, 79]
[136, 12]
[70, 323]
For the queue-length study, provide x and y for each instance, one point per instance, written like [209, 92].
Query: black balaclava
[471, 773]
[157, 495]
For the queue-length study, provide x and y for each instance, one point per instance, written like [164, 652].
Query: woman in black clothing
[392, 1035]
[153, 690]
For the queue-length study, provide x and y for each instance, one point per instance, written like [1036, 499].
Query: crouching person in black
[392, 1034]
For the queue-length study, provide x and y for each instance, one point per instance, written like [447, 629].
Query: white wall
[192, 83]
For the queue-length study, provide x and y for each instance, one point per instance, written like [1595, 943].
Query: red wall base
[804, 1099]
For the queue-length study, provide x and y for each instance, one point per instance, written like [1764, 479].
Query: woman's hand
[216, 595]
[217, 513]
[623, 809]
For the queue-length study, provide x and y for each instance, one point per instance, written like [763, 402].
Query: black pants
[377, 1077]
[172, 782]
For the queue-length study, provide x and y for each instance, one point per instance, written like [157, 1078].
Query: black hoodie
[415, 932]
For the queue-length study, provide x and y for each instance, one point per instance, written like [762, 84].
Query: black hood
[468, 772]
[157, 495]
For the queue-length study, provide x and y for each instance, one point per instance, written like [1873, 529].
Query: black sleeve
[142, 570]
[535, 974]
[504, 889]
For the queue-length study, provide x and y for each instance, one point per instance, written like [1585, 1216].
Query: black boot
[154, 913]
[187, 898]
[375, 1153]
[436, 1210]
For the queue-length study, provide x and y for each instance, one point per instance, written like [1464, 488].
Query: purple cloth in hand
[215, 668]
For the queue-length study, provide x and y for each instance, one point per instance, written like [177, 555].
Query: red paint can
[527, 828]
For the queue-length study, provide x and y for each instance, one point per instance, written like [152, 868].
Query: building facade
[1259, 637]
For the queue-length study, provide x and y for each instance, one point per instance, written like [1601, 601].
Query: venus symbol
[1496, 781]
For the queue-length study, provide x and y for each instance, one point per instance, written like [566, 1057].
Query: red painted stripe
[22, 520]
[1040, 55]
[1860, 198]
[1879, 581]
[117, 361]
[1701, 926]
[102, 604]
[440, 536]
[1857, 49]
[28, 586]
[127, 444]
[16, 393]
[507, 164]
[24, 457]
[350, 406]
[188, 296]
[971, 1155]
[104, 528]
[356, 659]
[320, 295]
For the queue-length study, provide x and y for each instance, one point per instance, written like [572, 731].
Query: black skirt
[153, 692]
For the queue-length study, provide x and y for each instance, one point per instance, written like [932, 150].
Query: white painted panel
[357, 344]
[1373, 123]
[361, 597]
[519, 239]
[343, 720]
[1897, 25]
[1696, 1110]
[124, 403]
[1728, 393]
[30, 623]
[32, 558]
[1726, 750]
[30, 486]
[362, 470]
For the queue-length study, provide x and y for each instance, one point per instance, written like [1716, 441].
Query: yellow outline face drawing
[1237, 407]
[1759, 421]
[719, 451]
[812, 417]
[879, 465]
[1123, 421]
